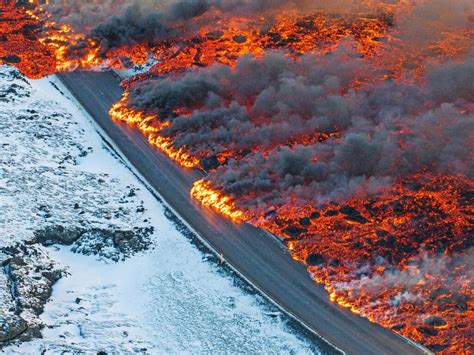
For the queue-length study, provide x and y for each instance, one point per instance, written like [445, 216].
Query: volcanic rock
[57, 235]
[210, 163]
[11, 327]
[439, 292]
[398, 326]
[388, 240]
[356, 218]
[309, 25]
[294, 231]
[438, 347]
[461, 306]
[334, 262]
[427, 331]
[348, 210]
[11, 58]
[315, 259]
[240, 39]
[331, 213]
[435, 321]
[305, 221]
[397, 207]
[315, 215]
[467, 195]
[214, 34]
[380, 233]
[106, 243]
[28, 277]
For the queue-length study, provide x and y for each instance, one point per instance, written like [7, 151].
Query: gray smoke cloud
[116, 23]
[383, 132]
[129, 22]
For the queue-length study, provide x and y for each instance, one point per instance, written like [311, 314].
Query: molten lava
[348, 132]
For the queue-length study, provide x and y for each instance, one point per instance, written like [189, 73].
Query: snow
[171, 298]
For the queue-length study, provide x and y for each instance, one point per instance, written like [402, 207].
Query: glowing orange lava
[399, 257]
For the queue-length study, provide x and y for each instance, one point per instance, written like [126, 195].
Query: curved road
[263, 260]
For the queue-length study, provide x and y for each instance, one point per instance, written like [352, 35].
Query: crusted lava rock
[315, 259]
[294, 231]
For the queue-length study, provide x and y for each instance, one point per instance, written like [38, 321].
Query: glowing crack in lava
[346, 128]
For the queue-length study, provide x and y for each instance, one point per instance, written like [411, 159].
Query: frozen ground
[163, 295]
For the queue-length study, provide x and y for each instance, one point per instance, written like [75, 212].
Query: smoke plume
[373, 136]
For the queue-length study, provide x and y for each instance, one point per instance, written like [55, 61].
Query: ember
[348, 130]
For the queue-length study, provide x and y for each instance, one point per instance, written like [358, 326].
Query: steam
[440, 274]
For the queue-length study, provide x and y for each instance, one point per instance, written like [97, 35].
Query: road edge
[109, 142]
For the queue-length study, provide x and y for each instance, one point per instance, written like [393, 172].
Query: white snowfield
[55, 170]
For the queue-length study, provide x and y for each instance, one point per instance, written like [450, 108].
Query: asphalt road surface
[263, 260]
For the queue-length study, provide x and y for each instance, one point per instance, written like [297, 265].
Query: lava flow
[347, 129]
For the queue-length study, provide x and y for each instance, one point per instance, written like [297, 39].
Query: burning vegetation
[345, 127]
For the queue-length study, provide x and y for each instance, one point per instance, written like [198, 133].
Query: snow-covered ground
[166, 296]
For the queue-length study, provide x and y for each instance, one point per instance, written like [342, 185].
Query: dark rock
[397, 207]
[414, 186]
[210, 163]
[467, 195]
[434, 321]
[305, 221]
[240, 39]
[274, 37]
[30, 278]
[294, 231]
[12, 329]
[388, 240]
[331, 213]
[57, 235]
[214, 34]
[439, 292]
[438, 347]
[315, 215]
[428, 331]
[461, 306]
[315, 259]
[381, 233]
[309, 25]
[127, 241]
[356, 218]
[53, 276]
[78, 300]
[12, 59]
[96, 241]
[349, 211]
[270, 214]
[398, 326]
[334, 262]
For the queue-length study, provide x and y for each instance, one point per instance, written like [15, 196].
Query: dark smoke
[115, 24]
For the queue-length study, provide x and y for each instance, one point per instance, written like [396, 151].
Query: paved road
[263, 260]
